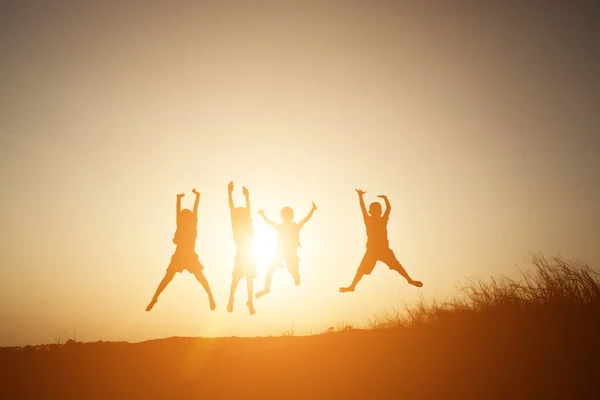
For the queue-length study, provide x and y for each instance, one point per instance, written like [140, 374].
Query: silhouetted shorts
[187, 260]
[244, 265]
[386, 256]
[291, 262]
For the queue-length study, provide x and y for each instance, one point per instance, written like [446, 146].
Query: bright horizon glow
[264, 246]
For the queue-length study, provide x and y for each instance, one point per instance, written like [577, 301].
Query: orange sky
[481, 127]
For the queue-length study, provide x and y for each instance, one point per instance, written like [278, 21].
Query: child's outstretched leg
[250, 287]
[292, 264]
[355, 281]
[268, 279]
[234, 284]
[161, 286]
[393, 263]
[365, 268]
[202, 279]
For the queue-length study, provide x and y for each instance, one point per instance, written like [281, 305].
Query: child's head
[375, 209]
[186, 217]
[240, 218]
[287, 214]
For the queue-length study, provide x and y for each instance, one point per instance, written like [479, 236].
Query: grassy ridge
[533, 337]
[556, 289]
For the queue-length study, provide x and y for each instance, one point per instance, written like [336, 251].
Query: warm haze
[480, 126]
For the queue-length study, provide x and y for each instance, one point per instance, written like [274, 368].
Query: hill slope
[537, 338]
[417, 363]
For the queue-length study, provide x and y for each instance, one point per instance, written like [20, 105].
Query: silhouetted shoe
[152, 303]
[346, 289]
[261, 293]
[416, 283]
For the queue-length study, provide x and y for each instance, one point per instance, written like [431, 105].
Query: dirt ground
[414, 363]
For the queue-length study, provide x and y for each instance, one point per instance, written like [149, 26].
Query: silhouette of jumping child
[185, 257]
[377, 243]
[243, 236]
[288, 242]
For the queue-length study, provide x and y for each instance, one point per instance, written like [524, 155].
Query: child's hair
[240, 218]
[186, 218]
[287, 214]
[375, 209]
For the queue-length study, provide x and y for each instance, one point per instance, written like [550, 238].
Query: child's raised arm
[388, 206]
[267, 220]
[196, 202]
[179, 196]
[230, 191]
[310, 213]
[362, 203]
[247, 196]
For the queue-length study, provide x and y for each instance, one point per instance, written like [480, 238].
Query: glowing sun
[264, 244]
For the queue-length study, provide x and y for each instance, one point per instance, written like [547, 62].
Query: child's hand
[261, 212]
[314, 207]
[382, 196]
[195, 192]
[245, 191]
[230, 186]
[180, 195]
[360, 192]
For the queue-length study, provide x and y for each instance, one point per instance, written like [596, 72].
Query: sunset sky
[480, 124]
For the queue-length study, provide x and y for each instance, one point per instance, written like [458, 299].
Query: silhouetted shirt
[377, 237]
[288, 237]
[185, 238]
[243, 235]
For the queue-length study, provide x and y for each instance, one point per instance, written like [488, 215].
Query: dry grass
[557, 289]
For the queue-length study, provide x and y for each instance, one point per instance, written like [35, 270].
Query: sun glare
[264, 245]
